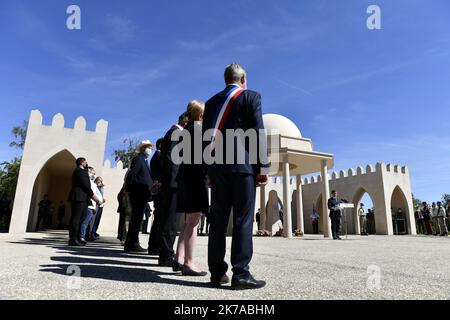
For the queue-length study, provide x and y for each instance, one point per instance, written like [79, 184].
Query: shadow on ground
[103, 259]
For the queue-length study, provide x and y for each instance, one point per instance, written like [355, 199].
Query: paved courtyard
[40, 266]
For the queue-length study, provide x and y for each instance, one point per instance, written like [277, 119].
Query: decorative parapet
[369, 169]
[58, 122]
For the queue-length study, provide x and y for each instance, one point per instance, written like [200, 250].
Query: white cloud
[119, 28]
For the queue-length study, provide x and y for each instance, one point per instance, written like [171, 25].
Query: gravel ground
[41, 266]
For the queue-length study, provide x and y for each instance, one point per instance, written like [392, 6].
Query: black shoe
[247, 283]
[216, 282]
[134, 249]
[82, 241]
[338, 238]
[165, 262]
[186, 271]
[75, 243]
[90, 239]
[176, 266]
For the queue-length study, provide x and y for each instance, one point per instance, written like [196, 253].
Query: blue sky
[366, 96]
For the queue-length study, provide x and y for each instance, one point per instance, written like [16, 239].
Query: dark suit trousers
[231, 191]
[335, 224]
[154, 241]
[138, 203]
[168, 223]
[79, 209]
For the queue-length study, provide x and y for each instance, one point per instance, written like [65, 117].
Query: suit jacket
[169, 169]
[245, 113]
[156, 166]
[332, 202]
[139, 180]
[81, 186]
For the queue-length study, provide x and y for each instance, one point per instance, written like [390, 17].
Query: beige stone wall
[379, 182]
[43, 142]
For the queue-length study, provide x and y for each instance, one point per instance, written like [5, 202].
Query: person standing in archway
[80, 198]
[362, 220]
[43, 213]
[61, 214]
[315, 217]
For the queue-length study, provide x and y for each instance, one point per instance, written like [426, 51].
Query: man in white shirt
[362, 220]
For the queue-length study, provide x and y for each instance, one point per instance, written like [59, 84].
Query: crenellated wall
[113, 178]
[44, 142]
[388, 185]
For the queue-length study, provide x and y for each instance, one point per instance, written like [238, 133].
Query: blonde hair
[195, 110]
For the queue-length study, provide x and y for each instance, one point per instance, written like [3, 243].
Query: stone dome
[284, 125]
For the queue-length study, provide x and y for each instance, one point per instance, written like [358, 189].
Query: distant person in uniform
[315, 217]
[434, 219]
[61, 214]
[44, 211]
[335, 214]
[425, 210]
[362, 220]
[441, 217]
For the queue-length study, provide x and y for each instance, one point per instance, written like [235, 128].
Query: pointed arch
[398, 200]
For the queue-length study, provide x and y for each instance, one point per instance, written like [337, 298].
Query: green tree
[416, 202]
[9, 174]
[445, 198]
[126, 152]
[20, 134]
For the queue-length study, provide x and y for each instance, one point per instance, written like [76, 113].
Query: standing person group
[434, 220]
[181, 188]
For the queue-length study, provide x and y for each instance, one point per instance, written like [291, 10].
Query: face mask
[148, 151]
[92, 176]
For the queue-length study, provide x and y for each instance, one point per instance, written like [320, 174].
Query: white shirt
[99, 195]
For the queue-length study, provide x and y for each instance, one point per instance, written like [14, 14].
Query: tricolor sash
[224, 111]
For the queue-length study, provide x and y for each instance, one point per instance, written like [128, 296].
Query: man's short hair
[182, 117]
[333, 191]
[159, 143]
[233, 73]
[79, 161]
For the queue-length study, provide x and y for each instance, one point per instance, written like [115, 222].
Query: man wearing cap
[138, 184]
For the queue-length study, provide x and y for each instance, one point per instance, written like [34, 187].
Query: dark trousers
[335, 224]
[315, 225]
[96, 223]
[154, 241]
[78, 211]
[41, 218]
[121, 231]
[231, 191]
[168, 224]
[138, 203]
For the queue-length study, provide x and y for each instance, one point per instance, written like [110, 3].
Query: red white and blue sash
[224, 111]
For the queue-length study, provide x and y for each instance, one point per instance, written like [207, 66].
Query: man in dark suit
[233, 183]
[138, 184]
[79, 197]
[169, 185]
[335, 214]
[154, 241]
